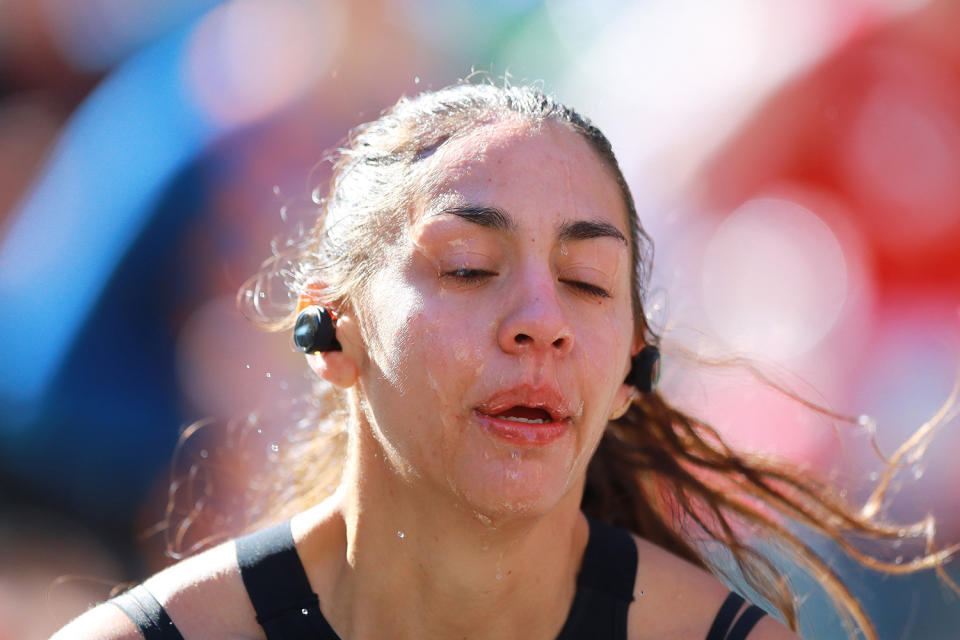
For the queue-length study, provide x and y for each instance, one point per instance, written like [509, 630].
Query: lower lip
[523, 433]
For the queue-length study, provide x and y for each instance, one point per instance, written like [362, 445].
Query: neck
[422, 565]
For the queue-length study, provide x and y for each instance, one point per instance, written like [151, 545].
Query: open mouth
[526, 415]
[524, 426]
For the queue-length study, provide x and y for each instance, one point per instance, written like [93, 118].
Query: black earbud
[314, 331]
[645, 369]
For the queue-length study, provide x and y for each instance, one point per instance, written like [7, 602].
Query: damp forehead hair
[380, 172]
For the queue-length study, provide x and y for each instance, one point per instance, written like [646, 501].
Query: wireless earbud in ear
[645, 369]
[314, 331]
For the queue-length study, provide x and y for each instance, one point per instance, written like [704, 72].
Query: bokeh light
[774, 279]
[249, 57]
[902, 153]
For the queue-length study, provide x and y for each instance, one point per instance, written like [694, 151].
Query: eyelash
[474, 275]
[463, 273]
[587, 288]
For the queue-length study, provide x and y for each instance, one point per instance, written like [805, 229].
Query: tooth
[526, 420]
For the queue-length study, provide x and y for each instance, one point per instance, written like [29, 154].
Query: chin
[501, 490]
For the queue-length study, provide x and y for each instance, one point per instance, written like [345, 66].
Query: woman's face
[499, 332]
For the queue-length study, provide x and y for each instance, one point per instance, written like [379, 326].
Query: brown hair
[657, 472]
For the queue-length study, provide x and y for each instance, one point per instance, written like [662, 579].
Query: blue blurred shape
[88, 399]
[118, 153]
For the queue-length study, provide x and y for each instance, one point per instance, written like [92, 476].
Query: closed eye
[465, 273]
[586, 287]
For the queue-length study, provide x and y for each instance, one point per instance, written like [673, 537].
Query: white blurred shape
[249, 58]
[577, 24]
[671, 79]
[774, 279]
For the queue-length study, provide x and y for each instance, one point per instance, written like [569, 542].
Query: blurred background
[797, 164]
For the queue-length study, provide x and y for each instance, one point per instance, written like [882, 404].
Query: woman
[481, 259]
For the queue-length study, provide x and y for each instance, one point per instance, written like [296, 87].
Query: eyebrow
[584, 229]
[490, 217]
[494, 218]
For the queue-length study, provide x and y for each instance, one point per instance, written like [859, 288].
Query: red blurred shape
[877, 125]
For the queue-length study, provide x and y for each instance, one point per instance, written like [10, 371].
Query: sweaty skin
[434, 331]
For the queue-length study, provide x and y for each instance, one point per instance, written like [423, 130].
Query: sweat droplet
[868, 423]
[917, 471]
[267, 374]
[247, 366]
[499, 576]
[416, 79]
[656, 308]
[274, 447]
[304, 611]
[400, 534]
[515, 454]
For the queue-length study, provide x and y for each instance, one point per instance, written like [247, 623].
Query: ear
[627, 393]
[339, 368]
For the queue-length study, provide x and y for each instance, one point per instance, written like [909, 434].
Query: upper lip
[547, 398]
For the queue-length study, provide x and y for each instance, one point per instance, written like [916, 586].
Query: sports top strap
[720, 629]
[604, 585]
[278, 587]
[151, 618]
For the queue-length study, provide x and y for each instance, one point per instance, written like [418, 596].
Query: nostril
[522, 338]
[559, 342]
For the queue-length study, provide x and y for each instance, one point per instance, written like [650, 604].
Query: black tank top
[287, 608]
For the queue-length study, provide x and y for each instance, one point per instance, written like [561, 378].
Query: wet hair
[657, 472]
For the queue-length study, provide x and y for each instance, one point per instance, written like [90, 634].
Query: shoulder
[676, 599]
[103, 622]
[187, 591]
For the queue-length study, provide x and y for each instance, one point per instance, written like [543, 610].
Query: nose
[536, 322]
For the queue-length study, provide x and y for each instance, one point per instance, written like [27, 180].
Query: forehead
[542, 169]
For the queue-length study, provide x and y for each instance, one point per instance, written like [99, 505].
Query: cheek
[607, 346]
[425, 346]
[451, 343]
[395, 309]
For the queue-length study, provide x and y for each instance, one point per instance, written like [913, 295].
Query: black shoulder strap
[609, 561]
[745, 623]
[604, 586]
[720, 629]
[278, 587]
[151, 619]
